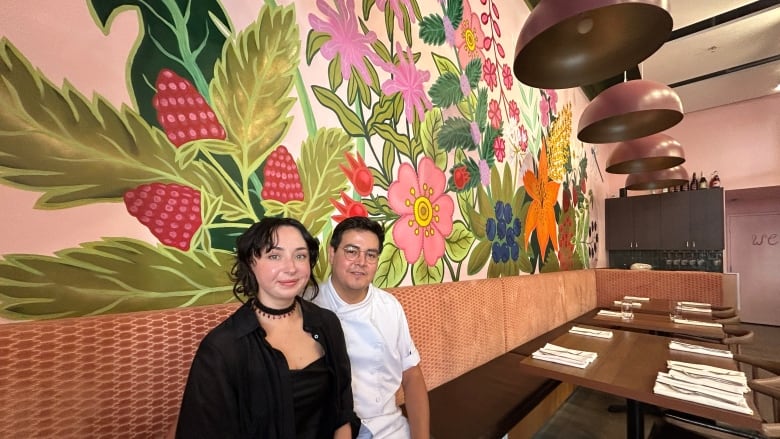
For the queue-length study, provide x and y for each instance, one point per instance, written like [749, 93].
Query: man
[381, 351]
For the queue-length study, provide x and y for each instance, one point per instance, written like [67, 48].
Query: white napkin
[674, 364]
[633, 304]
[608, 313]
[668, 386]
[590, 332]
[696, 309]
[696, 304]
[640, 299]
[697, 322]
[561, 355]
[680, 346]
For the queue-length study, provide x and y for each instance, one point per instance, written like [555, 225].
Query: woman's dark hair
[261, 238]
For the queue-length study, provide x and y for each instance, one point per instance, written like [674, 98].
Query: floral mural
[472, 173]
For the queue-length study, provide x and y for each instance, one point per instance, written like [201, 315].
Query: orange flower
[348, 208]
[358, 174]
[541, 212]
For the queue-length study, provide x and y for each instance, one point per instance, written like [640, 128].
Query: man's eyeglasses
[351, 253]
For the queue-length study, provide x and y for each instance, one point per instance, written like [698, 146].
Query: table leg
[635, 420]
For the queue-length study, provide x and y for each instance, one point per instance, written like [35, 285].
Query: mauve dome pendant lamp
[651, 153]
[570, 43]
[645, 181]
[630, 110]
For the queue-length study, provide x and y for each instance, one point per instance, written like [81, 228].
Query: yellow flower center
[423, 211]
[470, 38]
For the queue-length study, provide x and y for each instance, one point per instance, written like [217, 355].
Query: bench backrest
[695, 286]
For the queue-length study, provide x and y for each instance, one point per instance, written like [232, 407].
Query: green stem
[188, 57]
[300, 88]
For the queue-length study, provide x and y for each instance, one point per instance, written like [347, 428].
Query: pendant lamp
[630, 110]
[657, 179]
[570, 43]
[651, 153]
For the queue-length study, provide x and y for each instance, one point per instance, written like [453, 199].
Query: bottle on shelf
[694, 183]
[703, 181]
[715, 180]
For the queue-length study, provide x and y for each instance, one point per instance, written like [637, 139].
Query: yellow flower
[560, 135]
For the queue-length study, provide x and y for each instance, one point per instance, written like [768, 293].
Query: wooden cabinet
[693, 220]
[633, 223]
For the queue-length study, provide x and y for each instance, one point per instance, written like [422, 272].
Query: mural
[472, 173]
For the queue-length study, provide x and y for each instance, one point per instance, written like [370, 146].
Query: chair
[687, 426]
[723, 312]
[736, 336]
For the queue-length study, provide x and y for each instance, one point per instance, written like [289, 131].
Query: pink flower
[425, 211]
[484, 173]
[489, 74]
[346, 41]
[494, 113]
[523, 139]
[544, 109]
[395, 5]
[499, 148]
[506, 72]
[552, 95]
[465, 87]
[469, 37]
[476, 136]
[410, 82]
[514, 110]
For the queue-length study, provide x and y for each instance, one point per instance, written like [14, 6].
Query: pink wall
[741, 141]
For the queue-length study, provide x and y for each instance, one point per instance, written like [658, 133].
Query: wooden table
[627, 366]
[654, 323]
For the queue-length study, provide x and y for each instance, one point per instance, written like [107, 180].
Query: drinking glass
[626, 310]
[675, 310]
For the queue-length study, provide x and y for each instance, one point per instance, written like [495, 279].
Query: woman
[277, 367]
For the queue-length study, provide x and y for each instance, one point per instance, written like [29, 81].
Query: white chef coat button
[378, 399]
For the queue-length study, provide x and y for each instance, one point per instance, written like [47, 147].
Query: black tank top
[311, 387]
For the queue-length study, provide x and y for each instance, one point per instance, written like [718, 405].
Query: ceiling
[719, 52]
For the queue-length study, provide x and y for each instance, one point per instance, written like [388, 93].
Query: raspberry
[170, 211]
[182, 111]
[282, 182]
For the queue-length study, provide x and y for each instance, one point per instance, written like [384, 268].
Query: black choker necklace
[273, 313]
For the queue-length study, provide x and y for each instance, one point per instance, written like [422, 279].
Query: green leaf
[481, 110]
[187, 38]
[252, 83]
[390, 134]
[455, 12]
[349, 120]
[455, 133]
[444, 65]
[378, 206]
[389, 23]
[423, 274]
[432, 30]
[315, 40]
[429, 136]
[459, 242]
[358, 87]
[551, 263]
[478, 258]
[335, 78]
[382, 111]
[474, 72]
[323, 179]
[381, 50]
[367, 6]
[388, 158]
[189, 151]
[78, 152]
[446, 91]
[392, 266]
[111, 276]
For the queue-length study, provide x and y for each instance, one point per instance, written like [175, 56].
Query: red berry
[182, 111]
[282, 182]
[170, 211]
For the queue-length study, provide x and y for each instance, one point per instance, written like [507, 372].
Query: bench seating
[123, 374]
